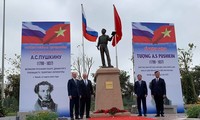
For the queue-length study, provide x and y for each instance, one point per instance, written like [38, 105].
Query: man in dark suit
[74, 94]
[158, 92]
[86, 91]
[141, 92]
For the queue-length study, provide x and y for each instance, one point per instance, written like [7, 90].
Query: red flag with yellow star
[118, 28]
[57, 33]
[153, 33]
[164, 34]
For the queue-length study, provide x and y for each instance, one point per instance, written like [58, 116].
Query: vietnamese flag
[118, 28]
[58, 33]
[164, 34]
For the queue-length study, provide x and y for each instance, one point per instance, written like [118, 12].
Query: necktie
[75, 81]
[85, 82]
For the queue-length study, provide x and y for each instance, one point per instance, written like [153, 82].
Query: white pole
[3, 47]
[84, 70]
[116, 52]
[115, 41]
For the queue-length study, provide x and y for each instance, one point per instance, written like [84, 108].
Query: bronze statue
[102, 46]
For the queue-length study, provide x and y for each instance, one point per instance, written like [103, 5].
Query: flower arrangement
[111, 111]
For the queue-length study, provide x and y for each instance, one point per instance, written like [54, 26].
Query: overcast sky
[99, 13]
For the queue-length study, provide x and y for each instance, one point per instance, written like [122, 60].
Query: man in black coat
[141, 92]
[74, 95]
[86, 91]
[158, 92]
[102, 46]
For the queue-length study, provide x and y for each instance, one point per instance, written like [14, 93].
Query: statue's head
[103, 31]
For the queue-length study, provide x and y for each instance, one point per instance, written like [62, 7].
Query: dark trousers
[143, 99]
[74, 102]
[159, 104]
[85, 103]
[104, 49]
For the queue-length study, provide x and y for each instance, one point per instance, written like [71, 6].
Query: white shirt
[85, 81]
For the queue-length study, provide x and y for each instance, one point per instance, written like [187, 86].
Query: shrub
[11, 104]
[43, 115]
[3, 111]
[193, 112]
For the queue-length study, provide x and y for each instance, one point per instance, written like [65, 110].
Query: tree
[15, 63]
[196, 77]
[11, 91]
[126, 86]
[78, 65]
[185, 57]
[126, 89]
[185, 60]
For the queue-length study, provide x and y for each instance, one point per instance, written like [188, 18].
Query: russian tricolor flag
[88, 33]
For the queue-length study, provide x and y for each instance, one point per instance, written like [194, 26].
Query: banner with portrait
[45, 67]
[154, 49]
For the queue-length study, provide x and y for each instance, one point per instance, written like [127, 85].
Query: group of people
[158, 93]
[79, 92]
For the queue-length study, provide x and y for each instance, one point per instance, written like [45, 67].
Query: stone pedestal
[170, 109]
[108, 90]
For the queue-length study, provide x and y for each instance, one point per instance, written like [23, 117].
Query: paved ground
[167, 117]
[172, 117]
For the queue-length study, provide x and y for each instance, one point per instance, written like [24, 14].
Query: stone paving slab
[8, 118]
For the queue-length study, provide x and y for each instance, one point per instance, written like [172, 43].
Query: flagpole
[115, 42]
[3, 47]
[116, 52]
[84, 70]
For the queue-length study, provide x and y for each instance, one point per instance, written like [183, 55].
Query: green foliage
[11, 101]
[185, 57]
[92, 104]
[11, 104]
[3, 111]
[193, 112]
[43, 115]
[12, 88]
[185, 60]
[189, 91]
[128, 102]
[126, 86]
[196, 77]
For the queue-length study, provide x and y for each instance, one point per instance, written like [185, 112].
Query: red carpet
[122, 118]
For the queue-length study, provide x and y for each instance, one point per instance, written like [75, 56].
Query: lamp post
[3, 45]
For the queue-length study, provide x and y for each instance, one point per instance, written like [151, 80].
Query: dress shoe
[110, 66]
[145, 115]
[72, 118]
[157, 116]
[162, 115]
[139, 115]
[77, 118]
[88, 117]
